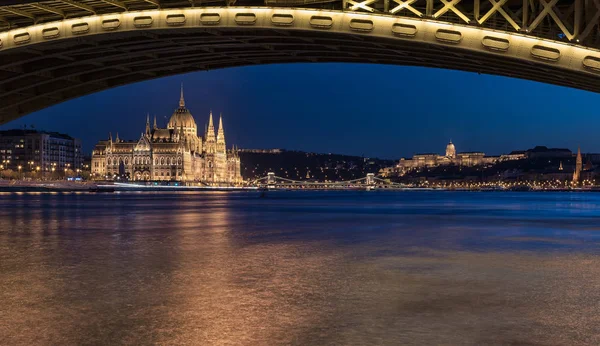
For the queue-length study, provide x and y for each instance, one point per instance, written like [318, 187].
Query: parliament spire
[221, 136]
[181, 100]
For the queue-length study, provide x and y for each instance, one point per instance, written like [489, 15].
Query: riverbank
[45, 186]
[87, 186]
[69, 186]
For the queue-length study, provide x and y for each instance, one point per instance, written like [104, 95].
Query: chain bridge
[56, 50]
[369, 182]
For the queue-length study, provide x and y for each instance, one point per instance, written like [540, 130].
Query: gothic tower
[148, 125]
[210, 136]
[210, 147]
[181, 99]
[221, 148]
[220, 173]
[578, 166]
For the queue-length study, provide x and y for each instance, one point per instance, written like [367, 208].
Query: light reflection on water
[343, 268]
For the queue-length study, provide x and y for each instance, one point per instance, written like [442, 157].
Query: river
[300, 268]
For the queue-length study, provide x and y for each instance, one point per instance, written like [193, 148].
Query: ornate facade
[174, 153]
[451, 158]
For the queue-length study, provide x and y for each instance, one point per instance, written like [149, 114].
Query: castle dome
[182, 117]
[450, 150]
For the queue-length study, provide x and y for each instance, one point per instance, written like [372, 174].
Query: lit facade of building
[174, 153]
[451, 157]
[33, 150]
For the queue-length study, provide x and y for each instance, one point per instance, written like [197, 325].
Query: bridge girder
[50, 62]
[573, 20]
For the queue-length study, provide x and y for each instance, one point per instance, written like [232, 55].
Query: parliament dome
[182, 117]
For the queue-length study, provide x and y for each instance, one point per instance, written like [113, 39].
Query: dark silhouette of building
[541, 151]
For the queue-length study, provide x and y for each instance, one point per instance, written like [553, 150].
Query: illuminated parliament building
[174, 153]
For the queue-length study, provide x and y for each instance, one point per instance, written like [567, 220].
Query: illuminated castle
[451, 157]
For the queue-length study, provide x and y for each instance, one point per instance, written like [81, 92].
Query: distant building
[545, 152]
[261, 151]
[592, 157]
[39, 151]
[451, 157]
[514, 155]
[174, 153]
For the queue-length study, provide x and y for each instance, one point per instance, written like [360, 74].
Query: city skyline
[269, 116]
[324, 172]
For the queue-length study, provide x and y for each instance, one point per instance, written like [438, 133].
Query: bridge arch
[45, 64]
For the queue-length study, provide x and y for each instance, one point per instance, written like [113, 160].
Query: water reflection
[299, 268]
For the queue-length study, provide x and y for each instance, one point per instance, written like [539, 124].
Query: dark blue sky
[384, 111]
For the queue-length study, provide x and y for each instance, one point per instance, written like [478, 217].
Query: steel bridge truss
[55, 50]
[368, 182]
[557, 20]
[574, 21]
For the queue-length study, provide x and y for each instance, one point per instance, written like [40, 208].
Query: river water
[300, 268]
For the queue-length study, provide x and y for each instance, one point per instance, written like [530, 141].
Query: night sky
[358, 109]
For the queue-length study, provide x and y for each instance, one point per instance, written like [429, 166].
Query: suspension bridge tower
[370, 181]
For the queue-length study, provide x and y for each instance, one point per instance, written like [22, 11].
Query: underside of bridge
[45, 59]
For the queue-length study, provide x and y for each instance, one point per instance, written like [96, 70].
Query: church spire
[117, 139]
[181, 100]
[211, 128]
[221, 131]
[578, 166]
[148, 123]
[221, 136]
[210, 135]
[155, 127]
